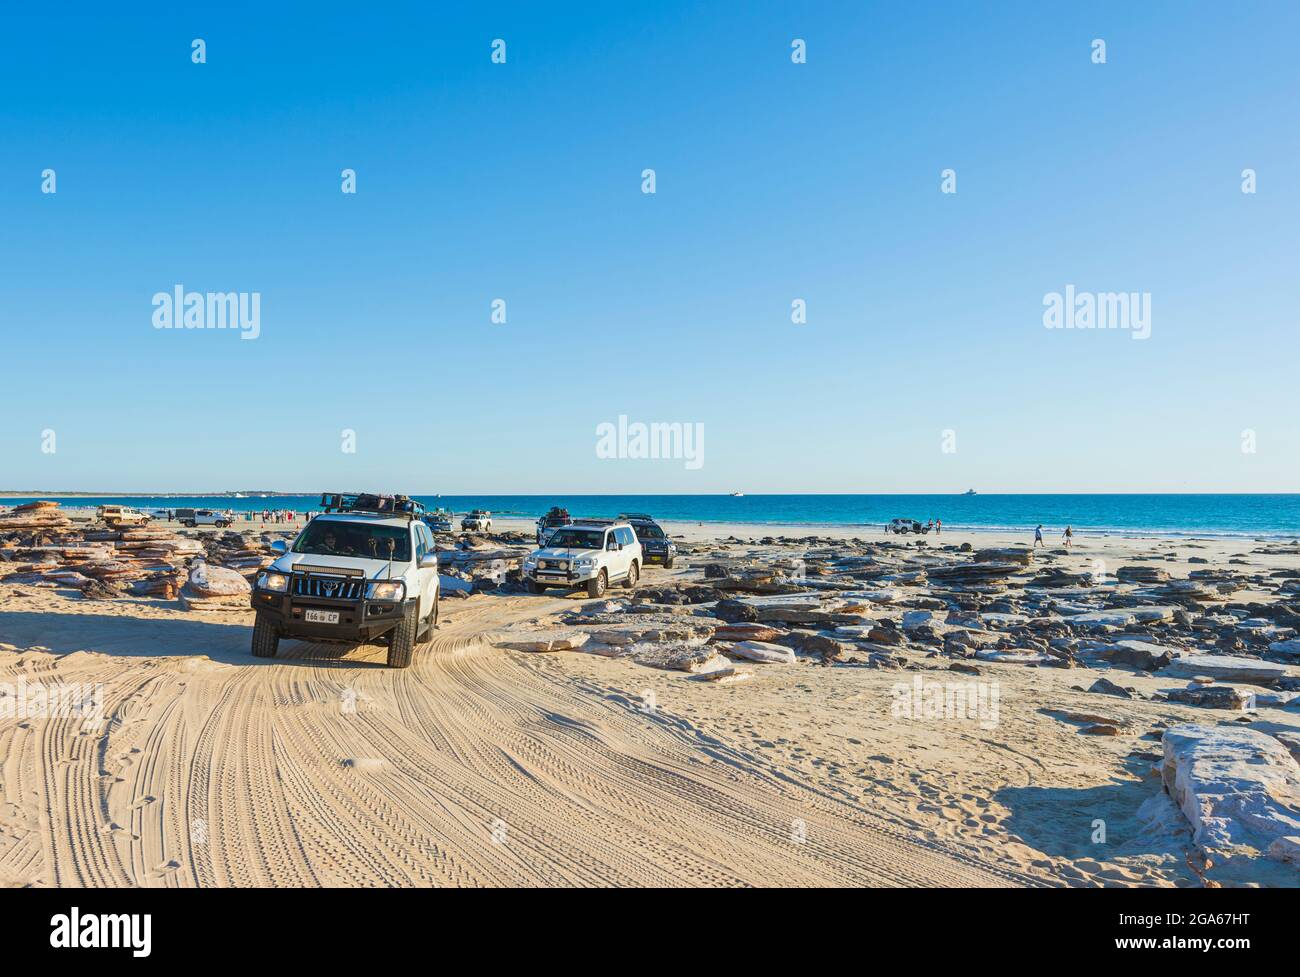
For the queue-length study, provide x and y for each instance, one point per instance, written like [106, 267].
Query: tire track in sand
[474, 767]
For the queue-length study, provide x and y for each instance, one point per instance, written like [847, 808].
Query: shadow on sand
[1063, 821]
[126, 636]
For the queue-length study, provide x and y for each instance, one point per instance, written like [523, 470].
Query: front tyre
[597, 586]
[668, 563]
[534, 587]
[266, 640]
[401, 644]
[633, 575]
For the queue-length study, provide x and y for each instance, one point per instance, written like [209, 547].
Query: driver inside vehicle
[332, 546]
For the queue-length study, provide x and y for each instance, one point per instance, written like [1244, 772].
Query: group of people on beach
[1068, 536]
[274, 516]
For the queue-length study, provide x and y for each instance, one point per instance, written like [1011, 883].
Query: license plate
[321, 617]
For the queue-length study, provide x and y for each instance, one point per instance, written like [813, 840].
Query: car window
[625, 536]
[583, 539]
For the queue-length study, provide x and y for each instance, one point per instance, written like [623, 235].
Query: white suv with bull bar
[591, 553]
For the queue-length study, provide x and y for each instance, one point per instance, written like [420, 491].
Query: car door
[424, 577]
[631, 547]
[622, 556]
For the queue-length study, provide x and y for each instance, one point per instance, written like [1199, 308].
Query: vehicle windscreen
[648, 532]
[578, 539]
[324, 537]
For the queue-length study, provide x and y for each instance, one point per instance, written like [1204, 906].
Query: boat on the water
[737, 495]
[970, 492]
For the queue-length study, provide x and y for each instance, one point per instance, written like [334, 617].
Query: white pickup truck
[588, 553]
[202, 517]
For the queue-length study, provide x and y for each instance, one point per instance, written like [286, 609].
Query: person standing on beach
[1038, 537]
[1069, 535]
[938, 527]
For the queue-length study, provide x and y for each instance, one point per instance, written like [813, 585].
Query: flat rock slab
[1225, 667]
[1103, 619]
[1122, 617]
[546, 642]
[1011, 657]
[680, 658]
[209, 581]
[759, 651]
[917, 619]
[1236, 786]
[1210, 697]
[1004, 620]
[1287, 649]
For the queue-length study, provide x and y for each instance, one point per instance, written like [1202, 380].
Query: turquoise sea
[1233, 515]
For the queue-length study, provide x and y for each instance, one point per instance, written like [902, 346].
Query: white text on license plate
[321, 617]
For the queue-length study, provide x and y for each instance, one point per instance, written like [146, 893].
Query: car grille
[331, 588]
[553, 565]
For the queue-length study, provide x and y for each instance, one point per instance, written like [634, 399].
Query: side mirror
[429, 561]
[279, 547]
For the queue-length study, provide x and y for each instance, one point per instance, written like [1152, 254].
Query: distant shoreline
[154, 495]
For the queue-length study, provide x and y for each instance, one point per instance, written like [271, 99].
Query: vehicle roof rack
[592, 522]
[640, 516]
[371, 504]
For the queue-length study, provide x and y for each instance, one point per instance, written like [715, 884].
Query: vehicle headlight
[530, 562]
[277, 582]
[586, 562]
[386, 590]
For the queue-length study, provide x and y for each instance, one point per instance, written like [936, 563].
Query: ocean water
[1232, 515]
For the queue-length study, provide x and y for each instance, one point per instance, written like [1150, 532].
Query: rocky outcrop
[1236, 786]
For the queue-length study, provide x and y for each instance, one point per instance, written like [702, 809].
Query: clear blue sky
[775, 181]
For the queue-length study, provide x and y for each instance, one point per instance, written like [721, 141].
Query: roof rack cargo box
[381, 505]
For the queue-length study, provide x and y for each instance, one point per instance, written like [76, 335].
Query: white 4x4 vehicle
[202, 517]
[477, 521]
[904, 526]
[588, 553]
[364, 570]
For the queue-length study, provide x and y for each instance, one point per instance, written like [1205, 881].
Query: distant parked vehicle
[552, 521]
[117, 516]
[477, 521]
[202, 517]
[439, 520]
[903, 526]
[656, 547]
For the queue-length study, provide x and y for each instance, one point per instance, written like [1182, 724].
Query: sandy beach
[485, 765]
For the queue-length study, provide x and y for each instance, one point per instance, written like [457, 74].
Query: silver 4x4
[365, 570]
[588, 553]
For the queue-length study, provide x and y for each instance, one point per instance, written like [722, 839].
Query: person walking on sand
[1069, 536]
[938, 527]
[1038, 537]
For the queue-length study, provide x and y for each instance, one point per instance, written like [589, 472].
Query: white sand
[479, 766]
